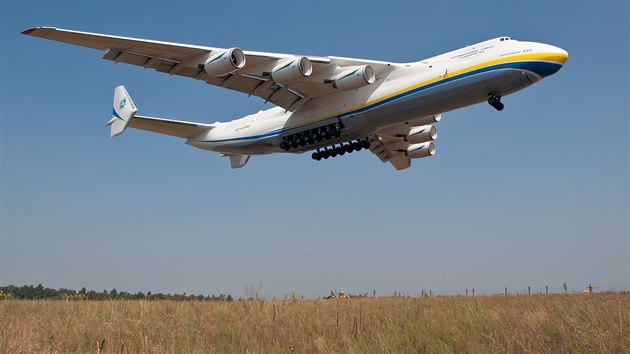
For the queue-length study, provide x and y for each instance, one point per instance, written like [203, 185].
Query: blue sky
[534, 195]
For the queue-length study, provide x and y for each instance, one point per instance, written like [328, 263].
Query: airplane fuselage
[446, 82]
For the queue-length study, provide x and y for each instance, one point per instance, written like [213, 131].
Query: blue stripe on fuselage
[542, 68]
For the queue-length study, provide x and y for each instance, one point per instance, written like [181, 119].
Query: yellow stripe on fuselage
[559, 58]
[552, 57]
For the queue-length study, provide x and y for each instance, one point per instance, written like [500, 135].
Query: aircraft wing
[255, 75]
[391, 144]
[383, 146]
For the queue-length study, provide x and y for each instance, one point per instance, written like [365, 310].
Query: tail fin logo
[122, 104]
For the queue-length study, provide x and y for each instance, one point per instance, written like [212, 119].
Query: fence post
[546, 289]
[374, 293]
[506, 290]
[529, 292]
[473, 292]
[466, 292]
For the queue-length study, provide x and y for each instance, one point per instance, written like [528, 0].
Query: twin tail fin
[123, 111]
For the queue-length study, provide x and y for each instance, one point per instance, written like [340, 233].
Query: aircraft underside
[355, 132]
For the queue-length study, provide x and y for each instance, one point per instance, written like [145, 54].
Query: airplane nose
[559, 55]
[563, 55]
[551, 59]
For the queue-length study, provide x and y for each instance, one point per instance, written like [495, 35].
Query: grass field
[507, 324]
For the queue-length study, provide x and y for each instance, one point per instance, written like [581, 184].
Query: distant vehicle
[328, 105]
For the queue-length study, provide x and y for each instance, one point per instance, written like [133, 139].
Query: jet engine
[292, 70]
[354, 77]
[225, 62]
[418, 151]
[425, 120]
[422, 134]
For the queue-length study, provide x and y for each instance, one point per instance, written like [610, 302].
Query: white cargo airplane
[332, 105]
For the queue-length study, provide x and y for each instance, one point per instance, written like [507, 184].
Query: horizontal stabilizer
[172, 127]
[124, 115]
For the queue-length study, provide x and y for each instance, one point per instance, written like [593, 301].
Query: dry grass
[507, 324]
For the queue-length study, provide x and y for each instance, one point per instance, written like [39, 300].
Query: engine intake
[354, 77]
[292, 70]
[225, 62]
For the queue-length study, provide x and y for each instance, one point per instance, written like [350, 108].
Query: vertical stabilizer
[123, 111]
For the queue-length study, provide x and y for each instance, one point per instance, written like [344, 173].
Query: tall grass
[508, 324]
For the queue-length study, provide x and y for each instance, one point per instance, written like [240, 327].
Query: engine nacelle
[224, 62]
[354, 77]
[423, 134]
[418, 151]
[432, 119]
[292, 70]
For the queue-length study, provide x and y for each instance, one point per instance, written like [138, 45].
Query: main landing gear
[341, 149]
[311, 136]
[495, 101]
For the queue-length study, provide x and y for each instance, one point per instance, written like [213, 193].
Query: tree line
[39, 292]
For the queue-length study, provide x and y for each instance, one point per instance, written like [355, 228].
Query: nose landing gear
[495, 101]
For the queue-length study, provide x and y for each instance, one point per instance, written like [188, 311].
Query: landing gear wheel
[495, 101]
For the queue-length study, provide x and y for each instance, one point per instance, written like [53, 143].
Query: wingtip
[29, 30]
